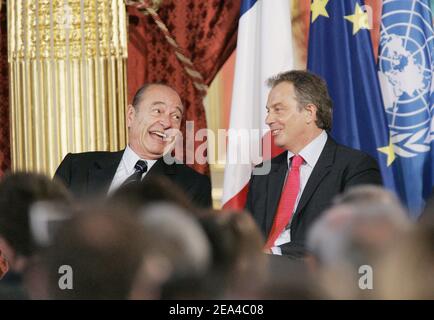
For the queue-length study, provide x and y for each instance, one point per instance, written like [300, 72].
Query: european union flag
[340, 51]
[405, 71]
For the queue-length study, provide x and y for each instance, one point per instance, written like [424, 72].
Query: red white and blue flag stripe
[264, 49]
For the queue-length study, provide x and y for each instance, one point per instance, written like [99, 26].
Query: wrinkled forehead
[162, 94]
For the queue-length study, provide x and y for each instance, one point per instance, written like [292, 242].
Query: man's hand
[268, 251]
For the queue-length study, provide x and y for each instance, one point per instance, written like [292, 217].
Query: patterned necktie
[139, 169]
[287, 202]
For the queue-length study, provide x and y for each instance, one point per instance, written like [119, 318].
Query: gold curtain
[67, 62]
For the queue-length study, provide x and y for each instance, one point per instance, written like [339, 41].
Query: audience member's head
[103, 250]
[287, 279]
[368, 194]
[406, 271]
[237, 252]
[18, 193]
[427, 215]
[352, 234]
[178, 253]
[134, 196]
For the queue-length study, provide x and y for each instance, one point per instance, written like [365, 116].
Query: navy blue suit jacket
[337, 169]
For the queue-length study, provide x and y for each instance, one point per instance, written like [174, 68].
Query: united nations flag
[405, 69]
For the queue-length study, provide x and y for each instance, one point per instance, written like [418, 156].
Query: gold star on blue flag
[390, 152]
[318, 8]
[359, 19]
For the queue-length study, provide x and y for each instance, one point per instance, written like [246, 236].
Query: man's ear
[311, 111]
[131, 114]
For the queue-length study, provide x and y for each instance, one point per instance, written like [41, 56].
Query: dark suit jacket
[91, 173]
[337, 169]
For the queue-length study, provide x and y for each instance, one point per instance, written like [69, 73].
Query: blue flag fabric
[340, 51]
[246, 5]
[405, 69]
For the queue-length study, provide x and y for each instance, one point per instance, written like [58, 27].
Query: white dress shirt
[310, 154]
[126, 168]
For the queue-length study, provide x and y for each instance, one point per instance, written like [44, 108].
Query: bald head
[141, 92]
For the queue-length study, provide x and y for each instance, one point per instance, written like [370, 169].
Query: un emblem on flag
[405, 73]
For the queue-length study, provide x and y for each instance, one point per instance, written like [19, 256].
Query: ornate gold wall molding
[68, 93]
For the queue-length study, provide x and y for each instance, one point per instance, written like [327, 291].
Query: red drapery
[5, 160]
[205, 30]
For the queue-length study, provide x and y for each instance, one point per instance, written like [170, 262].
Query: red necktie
[287, 202]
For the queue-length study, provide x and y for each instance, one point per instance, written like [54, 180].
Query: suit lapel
[321, 169]
[103, 171]
[276, 179]
[161, 168]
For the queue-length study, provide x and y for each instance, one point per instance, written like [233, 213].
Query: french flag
[264, 49]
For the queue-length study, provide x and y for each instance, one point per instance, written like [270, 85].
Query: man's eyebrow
[180, 110]
[163, 103]
[157, 102]
[274, 105]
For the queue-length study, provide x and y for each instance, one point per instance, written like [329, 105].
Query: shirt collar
[312, 151]
[130, 159]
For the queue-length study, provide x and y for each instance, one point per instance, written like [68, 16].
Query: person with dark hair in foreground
[102, 249]
[19, 193]
[236, 253]
[134, 196]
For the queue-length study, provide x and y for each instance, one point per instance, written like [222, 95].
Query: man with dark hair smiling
[153, 119]
[304, 179]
